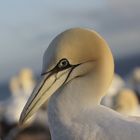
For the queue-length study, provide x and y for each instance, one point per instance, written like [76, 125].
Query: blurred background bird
[26, 81]
[123, 100]
[134, 81]
[117, 84]
[126, 102]
[21, 87]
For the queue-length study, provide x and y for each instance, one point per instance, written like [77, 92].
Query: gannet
[77, 70]
[6, 106]
[27, 81]
[126, 102]
[136, 74]
[116, 85]
[14, 86]
[135, 81]
[14, 103]
[21, 87]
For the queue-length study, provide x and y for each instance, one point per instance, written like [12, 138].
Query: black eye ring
[63, 63]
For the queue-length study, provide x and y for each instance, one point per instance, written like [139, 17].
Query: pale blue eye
[63, 63]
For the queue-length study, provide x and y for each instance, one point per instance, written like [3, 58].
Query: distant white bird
[121, 99]
[21, 87]
[77, 71]
[14, 103]
[135, 81]
[126, 102]
[27, 81]
[6, 106]
[136, 74]
[116, 85]
[14, 86]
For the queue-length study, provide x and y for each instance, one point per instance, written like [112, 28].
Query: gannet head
[73, 54]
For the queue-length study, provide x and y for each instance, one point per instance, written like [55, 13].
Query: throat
[67, 106]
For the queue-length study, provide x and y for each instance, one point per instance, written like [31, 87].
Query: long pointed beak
[44, 89]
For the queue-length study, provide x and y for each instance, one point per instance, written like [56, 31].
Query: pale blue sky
[27, 27]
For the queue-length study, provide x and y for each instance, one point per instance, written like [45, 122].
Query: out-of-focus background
[26, 29]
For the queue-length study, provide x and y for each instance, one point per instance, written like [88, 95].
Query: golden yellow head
[72, 54]
[76, 45]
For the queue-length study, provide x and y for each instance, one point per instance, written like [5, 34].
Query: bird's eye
[63, 63]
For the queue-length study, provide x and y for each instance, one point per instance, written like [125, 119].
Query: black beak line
[49, 74]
